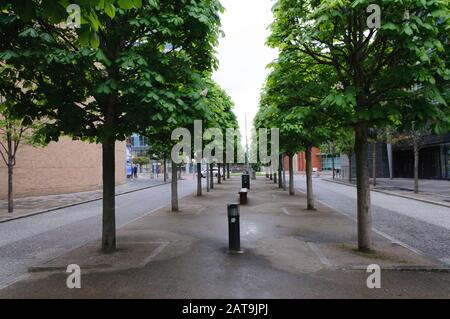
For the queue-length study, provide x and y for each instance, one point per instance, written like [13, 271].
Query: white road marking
[316, 250]
[155, 253]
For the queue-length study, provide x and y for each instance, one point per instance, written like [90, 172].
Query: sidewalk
[288, 253]
[29, 206]
[430, 191]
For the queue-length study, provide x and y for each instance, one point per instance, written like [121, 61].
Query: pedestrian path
[29, 206]
[288, 252]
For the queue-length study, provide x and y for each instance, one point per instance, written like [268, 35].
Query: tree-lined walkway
[288, 252]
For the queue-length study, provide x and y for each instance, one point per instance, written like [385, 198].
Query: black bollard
[246, 181]
[234, 236]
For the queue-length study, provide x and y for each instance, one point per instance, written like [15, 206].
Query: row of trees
[213, 110]
[335, 75]
[133, 66]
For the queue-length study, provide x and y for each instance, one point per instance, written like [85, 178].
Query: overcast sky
[243, 55]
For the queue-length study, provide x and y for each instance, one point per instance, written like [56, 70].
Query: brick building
[63, 167]
[300, 161]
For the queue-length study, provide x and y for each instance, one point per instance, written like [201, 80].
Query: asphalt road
[29, 241]
[423, 227]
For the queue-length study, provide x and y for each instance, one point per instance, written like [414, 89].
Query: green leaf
[389, 26]
[126, 4]
[30, 32]
[408, 30]
[110, 10]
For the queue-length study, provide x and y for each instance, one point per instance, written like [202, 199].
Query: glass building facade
[327, 162]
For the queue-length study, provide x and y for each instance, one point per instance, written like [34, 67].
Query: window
[327, 163]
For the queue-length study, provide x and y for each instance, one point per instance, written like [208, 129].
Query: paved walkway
[421, 225]
[288, 253]
[437, 191]
[28, 206]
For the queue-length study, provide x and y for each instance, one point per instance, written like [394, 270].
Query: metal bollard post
[234, 236]
[246, 181]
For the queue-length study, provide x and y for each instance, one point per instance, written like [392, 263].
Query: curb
[392, 194]
[76, 204]
[424, 269]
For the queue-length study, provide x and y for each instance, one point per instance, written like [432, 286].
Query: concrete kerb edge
[392, 194]
[76, 204]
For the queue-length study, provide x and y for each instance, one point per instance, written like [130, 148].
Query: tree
[160, 147]
[13, 133]
[374, 66]
[410, 129]
[293, 96]
[221, 116]
[331, 148]
[55, 12]
[120, 87]
[141, 160]
[345, 140]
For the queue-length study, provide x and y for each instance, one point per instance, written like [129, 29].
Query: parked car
[215, 171]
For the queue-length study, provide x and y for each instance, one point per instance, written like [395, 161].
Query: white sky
[243, 55]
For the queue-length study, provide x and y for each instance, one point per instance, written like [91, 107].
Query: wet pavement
[288, 253]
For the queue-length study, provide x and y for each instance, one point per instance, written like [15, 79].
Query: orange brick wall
[300, 164]
[63, 167]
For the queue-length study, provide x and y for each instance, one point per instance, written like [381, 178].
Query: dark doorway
[429, 163]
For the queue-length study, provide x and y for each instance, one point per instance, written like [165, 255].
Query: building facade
[398, 161]
[62, 167]
[300, 161]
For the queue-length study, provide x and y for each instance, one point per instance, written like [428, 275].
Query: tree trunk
[211, 176]
[350, 168]
[109, 199]
[275, 181]
[284, 175]
[228, 171]
[280, 171]
[270, 173]
[165, 170]
[333, 167]
[374, 164]
[207, 178]
[309, 185]
[363, 188]
[416, 168]
[224, 172]
[174, 185]
[10, 165]
[291, 175]
[10, 189]
[219, 175]
[199, 179]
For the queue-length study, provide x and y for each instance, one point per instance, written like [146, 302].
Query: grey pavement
[31, 205]
[288, 253]
[429, 190]
[32, 240]
[422, 226]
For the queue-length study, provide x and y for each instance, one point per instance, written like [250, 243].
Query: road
[421, 226]
[29, 241]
